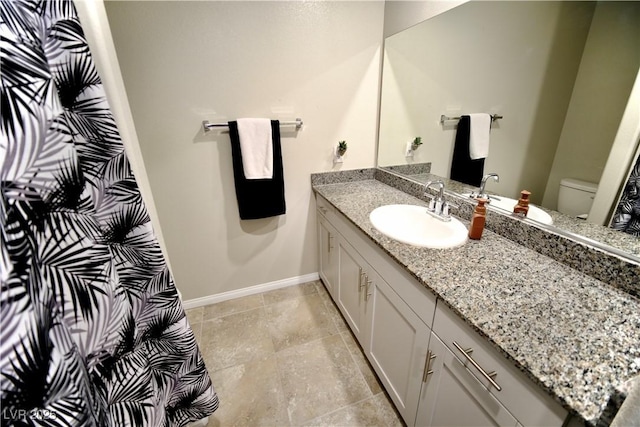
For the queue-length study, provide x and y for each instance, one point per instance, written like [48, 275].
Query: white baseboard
[251, 290]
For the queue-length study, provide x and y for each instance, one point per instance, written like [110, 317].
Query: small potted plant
[342, 148]
[417, 142]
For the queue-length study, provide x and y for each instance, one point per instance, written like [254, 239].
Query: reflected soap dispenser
[522, 207]
[477, 220]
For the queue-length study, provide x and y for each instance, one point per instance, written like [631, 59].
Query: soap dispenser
[522, 207]
[477, 220]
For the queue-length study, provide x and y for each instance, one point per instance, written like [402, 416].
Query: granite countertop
[575, 336]
[621, 241]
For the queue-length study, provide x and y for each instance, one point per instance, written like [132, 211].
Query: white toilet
[576, 197]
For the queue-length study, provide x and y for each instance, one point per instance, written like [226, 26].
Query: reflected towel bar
[444, 118]
[208, 126]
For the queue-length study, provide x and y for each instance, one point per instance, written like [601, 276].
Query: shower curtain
[627, 215]
[92, 330]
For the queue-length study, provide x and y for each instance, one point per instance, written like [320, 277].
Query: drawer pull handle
[360, 281]
[489, 376]
[427, 366]
[330, 245]
[322, 209]
[368, 294]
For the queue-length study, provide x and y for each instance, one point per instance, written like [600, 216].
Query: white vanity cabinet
[465, 366]
[353, 286]
[370, 292]
[328, 254]
[392, 335]
[409, 340]
[452, 396]
[397, 347]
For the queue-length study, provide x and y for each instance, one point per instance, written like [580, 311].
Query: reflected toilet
[576, 197]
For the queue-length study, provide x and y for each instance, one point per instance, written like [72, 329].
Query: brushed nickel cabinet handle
[368, 294]
[360, 281]
[427, 366]
[330, 245]
[489, 376]
[322, 209]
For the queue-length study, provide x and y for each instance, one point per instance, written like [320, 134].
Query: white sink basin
[507, 204]
[413, 225]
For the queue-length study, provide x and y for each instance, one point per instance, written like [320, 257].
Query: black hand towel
[463, 168]
[258, 198]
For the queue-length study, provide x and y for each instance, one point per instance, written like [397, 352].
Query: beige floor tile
[235, 339]
[233, 306]
[337, 318]
[319, 377]
[387, 411]
[364, 413]
[365, 368]
[250, 395]
[298, 320]
[289, 292]
[194, 315]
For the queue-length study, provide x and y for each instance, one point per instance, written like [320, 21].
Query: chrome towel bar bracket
[206, 126]
[444, 118]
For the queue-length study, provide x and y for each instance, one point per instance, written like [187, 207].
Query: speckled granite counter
[575, 336]
[603, 264]
[608, 236]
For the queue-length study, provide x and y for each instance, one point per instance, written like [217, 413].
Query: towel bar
[444, 118]
[208, 126]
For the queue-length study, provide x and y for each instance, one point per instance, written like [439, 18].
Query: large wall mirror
[564, 75]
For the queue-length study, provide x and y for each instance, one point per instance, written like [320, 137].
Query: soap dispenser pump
[477, 220]
[522, 207]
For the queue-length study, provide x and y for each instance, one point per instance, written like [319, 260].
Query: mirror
[559, 73]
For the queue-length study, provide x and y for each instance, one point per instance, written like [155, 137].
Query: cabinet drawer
[525, 400]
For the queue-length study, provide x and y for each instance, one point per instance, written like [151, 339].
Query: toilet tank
[576, 196]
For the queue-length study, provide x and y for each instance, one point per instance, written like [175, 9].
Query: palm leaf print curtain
[92, 330]
[627, 215]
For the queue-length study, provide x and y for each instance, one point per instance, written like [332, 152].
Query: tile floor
[287, 358]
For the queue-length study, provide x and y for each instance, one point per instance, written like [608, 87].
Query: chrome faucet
[481, 194]
[438, 206]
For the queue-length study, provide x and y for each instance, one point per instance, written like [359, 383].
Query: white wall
[624, 152]
[95, 25]
[184, 62]
[471, 59]
[607, 71]
[402, 14]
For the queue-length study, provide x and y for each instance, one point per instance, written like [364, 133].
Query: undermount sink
[412, 224]
[507, 204]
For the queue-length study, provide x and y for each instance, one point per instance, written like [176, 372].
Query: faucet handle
[440, 206]
[445, 210]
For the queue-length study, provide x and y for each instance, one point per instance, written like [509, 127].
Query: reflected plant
[417, 142]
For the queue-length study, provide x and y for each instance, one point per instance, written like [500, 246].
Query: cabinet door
[328, 258]
[351, 282]
[452, 396]
[397, 347]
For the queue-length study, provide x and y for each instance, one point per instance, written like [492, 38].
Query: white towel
[256, 147]
[480, 126]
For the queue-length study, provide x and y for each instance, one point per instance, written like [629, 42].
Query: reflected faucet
[481, 194]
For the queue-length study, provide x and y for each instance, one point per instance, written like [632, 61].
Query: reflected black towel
[258, 198]
[464, 169]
